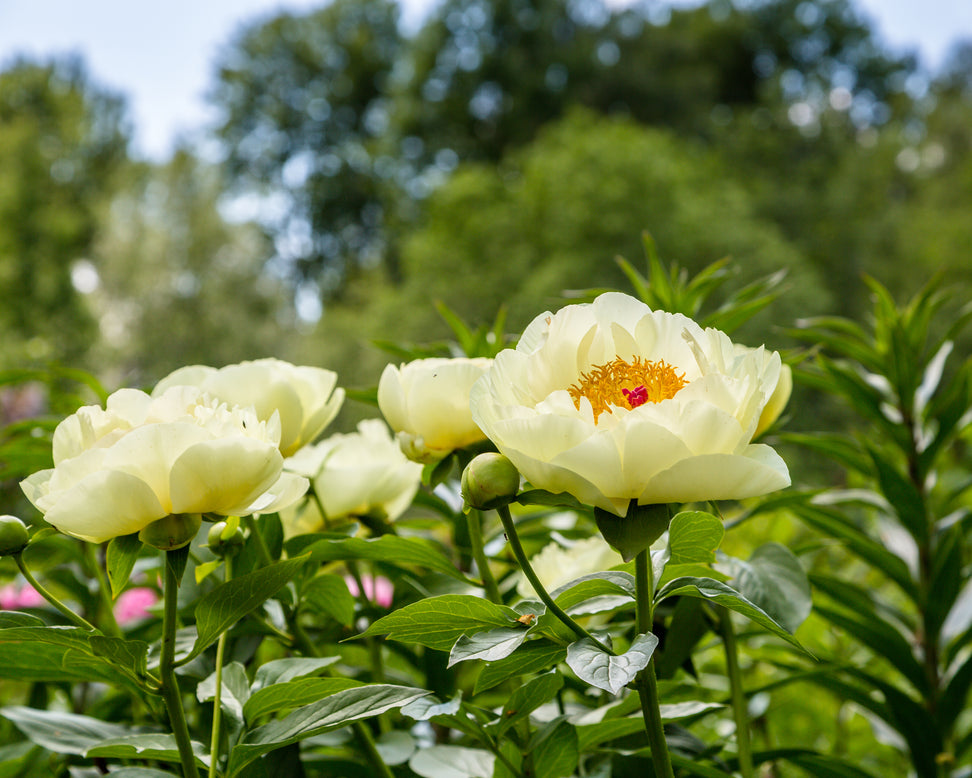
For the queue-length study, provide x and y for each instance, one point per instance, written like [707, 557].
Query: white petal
[218, 475]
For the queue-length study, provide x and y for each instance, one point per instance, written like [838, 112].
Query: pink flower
[378, 589]
[133, 604]
[14, 598]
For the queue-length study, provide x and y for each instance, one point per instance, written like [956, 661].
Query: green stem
[170, 685]
[647, 682]
[104, 590]
[320, 505]
[71, 615]
[521, 558]
[218, 694]
[474, 521]
[740, 710]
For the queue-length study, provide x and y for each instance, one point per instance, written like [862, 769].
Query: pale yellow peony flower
[612, 402]
[304, 397]
[556, 565]
[119, 469]
[426, 403]
[361, 473]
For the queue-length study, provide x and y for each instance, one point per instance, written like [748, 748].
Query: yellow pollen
[626, 384]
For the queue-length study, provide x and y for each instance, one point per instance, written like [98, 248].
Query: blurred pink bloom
[378, 589]
[133, 604]
[13, 597]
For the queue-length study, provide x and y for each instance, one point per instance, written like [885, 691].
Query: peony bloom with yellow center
[613, 402]
[361, 473]
[304, 397]
[426, 403]
[141, 458]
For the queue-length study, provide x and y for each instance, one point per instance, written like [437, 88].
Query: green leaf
[221, 608]
[946, 578]
[290, 668]
[535, 656]
[140, 772]
[489, 645]
[120, 561]
[693, 538]
[332, 712]
[452, 762]
[595, 593]
[555, 750]
[329, 595]
[904, 497]
[774, 580]
[401, 552]
[438, 622]
[608, 671]
[425, 708]
[151, 746]
[62, 733]
[10, 619]
[631, 534]
[284, 695]
[234, 694]
[955, 696]
[725, 595]
[130, 654]
[395, 747]
[688, 625]
[525, 699]
[49, 654]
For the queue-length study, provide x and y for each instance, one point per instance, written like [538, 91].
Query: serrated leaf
[398, 551]
[612, 673]
[533, 657]
[285, 695]
[438, 622]
[774, 580]
[488, 645]
[452, 762]
[332, 712]
[725, 595]
[62, 733]
[120, 560]
[221, 608]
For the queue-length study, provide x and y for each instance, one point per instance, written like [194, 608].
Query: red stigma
[637, 396]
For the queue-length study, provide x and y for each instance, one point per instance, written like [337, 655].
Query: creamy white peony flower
[612, 402]
[304, 397]
[556, 565]
[361, 473]
[119, 469]
[426, 403]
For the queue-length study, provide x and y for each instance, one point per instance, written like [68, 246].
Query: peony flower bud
[13, 536]
[490, 481]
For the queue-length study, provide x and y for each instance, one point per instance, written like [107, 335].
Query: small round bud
[13, 536]
[225, 540]
[490, 481]
[171, 532]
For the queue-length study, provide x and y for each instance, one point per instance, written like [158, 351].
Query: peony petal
[759, 470]
[104, 505]
[391, 398]
[288, 489]
[219, 475]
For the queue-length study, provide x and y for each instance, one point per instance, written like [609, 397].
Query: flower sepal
[171, 532]
[634, 532]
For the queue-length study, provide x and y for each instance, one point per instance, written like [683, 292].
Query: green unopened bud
[174, 531]
[225, 538]
[490, 481]
[13, 536]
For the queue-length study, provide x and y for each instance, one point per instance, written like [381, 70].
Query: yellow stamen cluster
[626, 384]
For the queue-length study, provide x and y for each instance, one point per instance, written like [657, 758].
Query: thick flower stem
[740, 710]
[646, 680]
[474, 521]
[170, 685]
[71, 615]
[218, 694]
[521, 557]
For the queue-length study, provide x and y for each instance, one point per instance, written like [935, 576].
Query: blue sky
[160, 55]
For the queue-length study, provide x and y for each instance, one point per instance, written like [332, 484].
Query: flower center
[626, 384]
